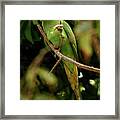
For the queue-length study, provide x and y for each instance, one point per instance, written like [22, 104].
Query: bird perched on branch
[61, 36]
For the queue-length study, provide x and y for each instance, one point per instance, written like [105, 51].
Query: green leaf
[28, 34]
[35, 22]
[36, 36]
[23, 24]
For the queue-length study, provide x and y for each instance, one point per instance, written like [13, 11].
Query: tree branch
[79, 65]
[60, 55]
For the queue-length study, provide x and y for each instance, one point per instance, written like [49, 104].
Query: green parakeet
[60, 34]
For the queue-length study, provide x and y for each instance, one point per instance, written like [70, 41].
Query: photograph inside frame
[59, 60]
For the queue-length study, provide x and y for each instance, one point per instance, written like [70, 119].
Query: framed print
[60, 60]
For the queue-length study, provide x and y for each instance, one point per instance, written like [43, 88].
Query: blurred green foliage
[55, 85]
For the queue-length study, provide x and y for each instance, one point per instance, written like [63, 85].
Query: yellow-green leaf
[48, 79]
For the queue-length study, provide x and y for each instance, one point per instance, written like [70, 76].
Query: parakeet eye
[58, 27]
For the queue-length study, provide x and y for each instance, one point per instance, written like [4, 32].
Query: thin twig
[60, 55]
[58, 61]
